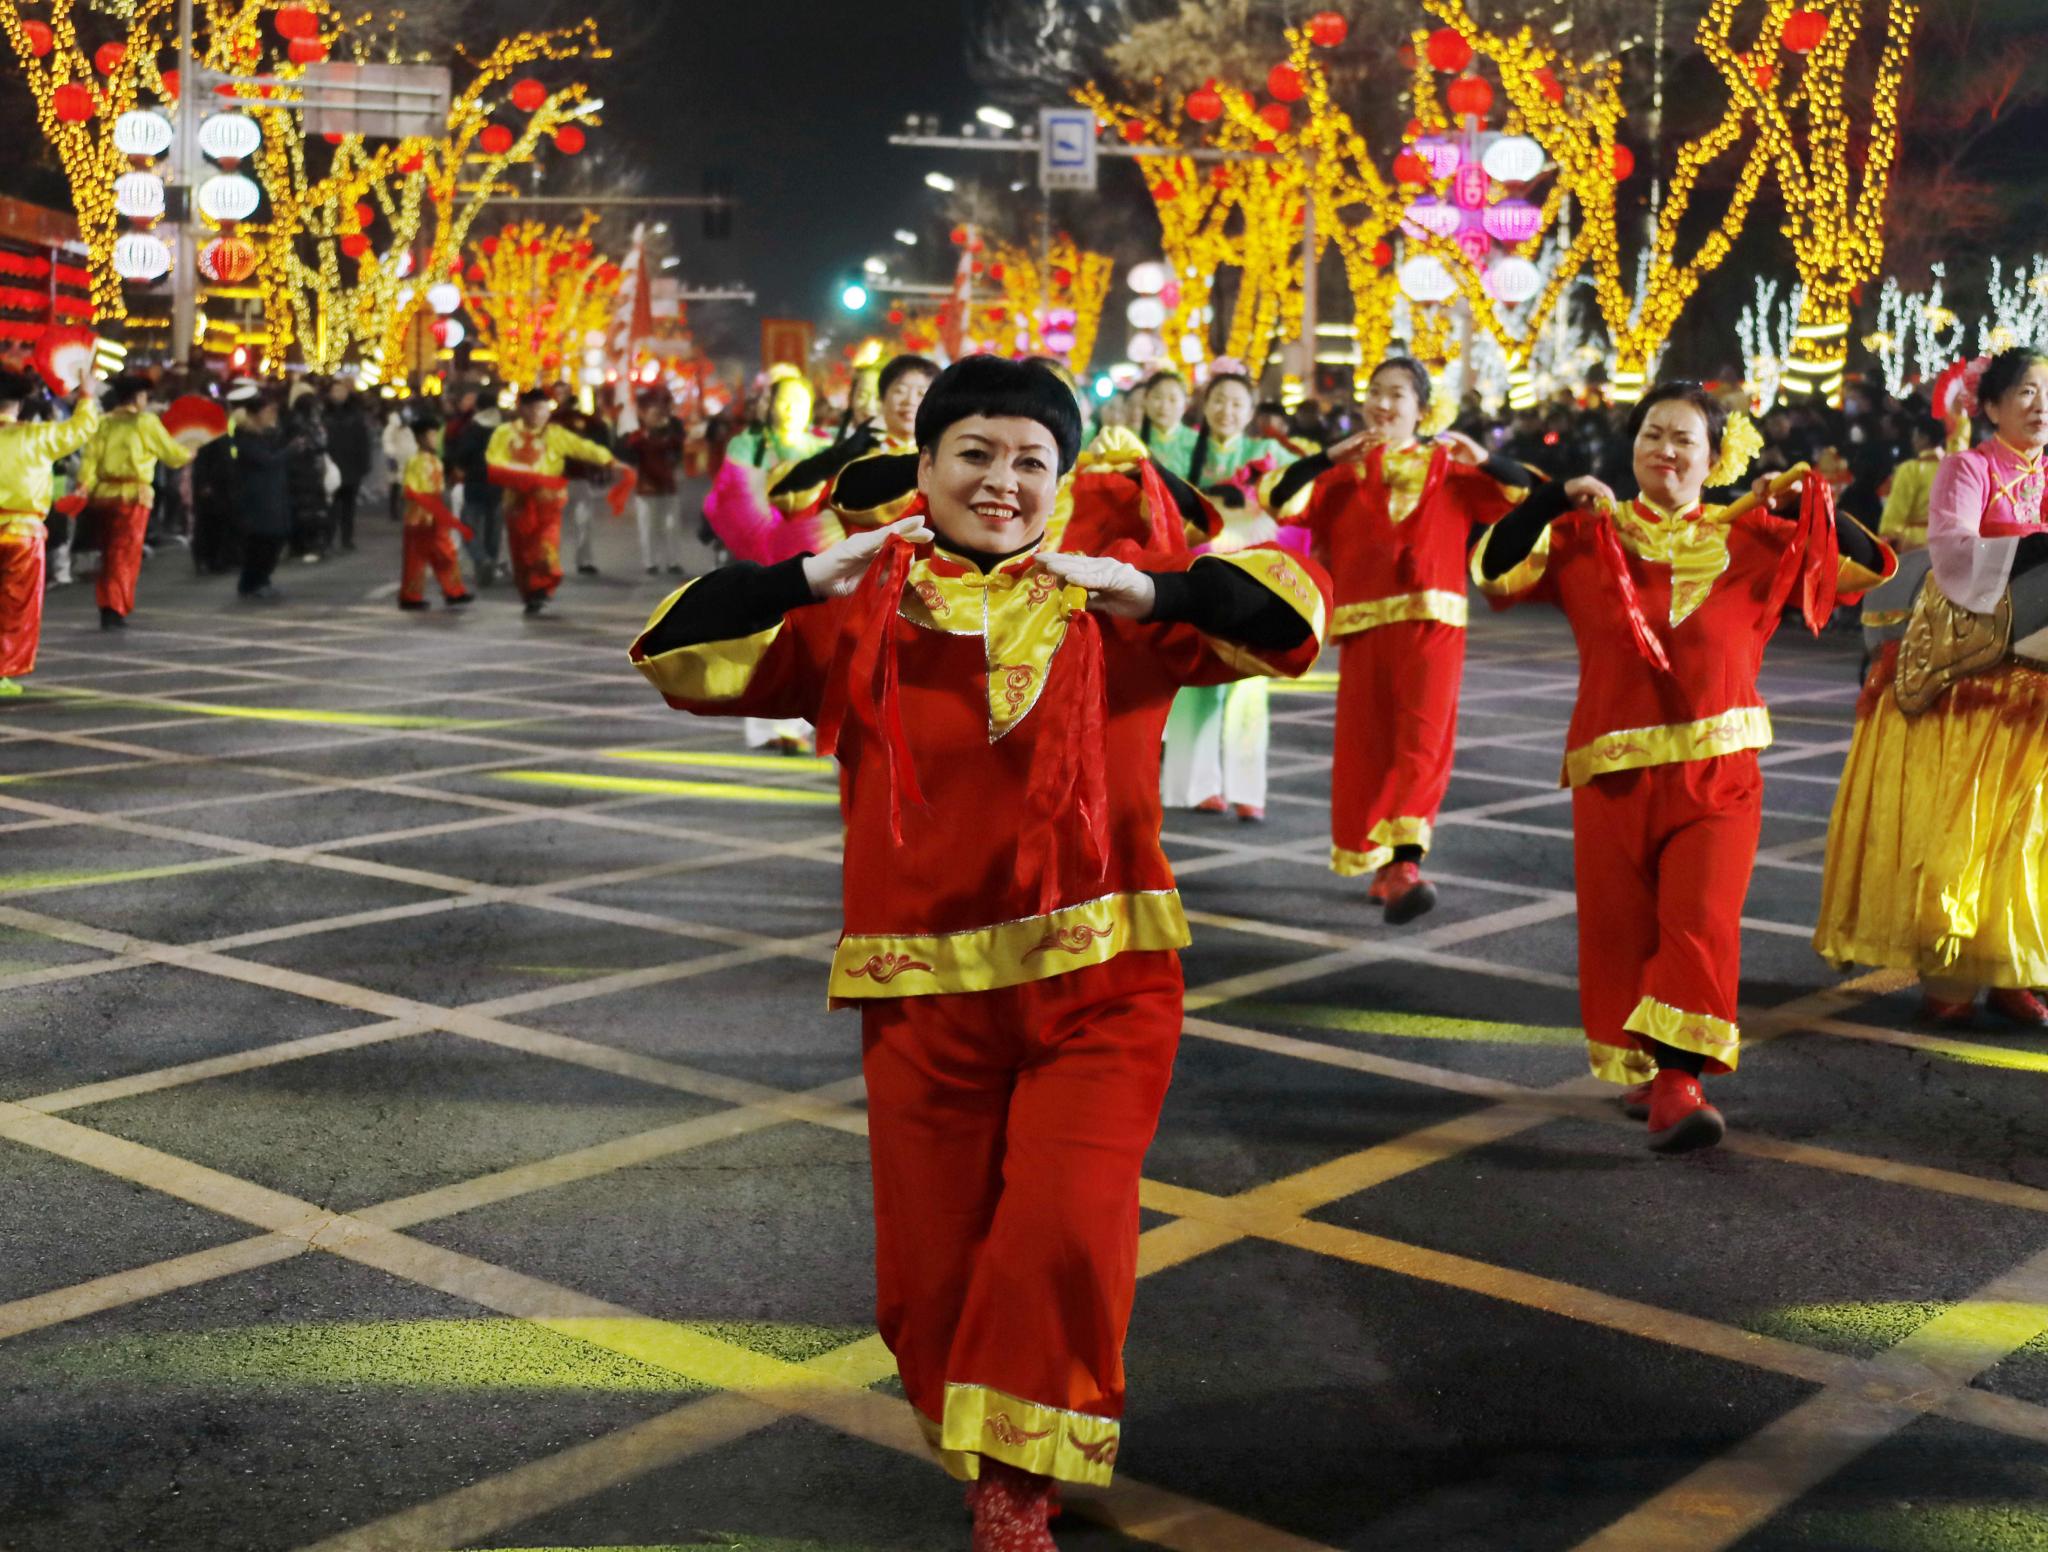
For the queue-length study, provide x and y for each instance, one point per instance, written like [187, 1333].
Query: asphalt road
[421, 1128]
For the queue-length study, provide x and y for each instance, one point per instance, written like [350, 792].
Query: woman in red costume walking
[1672, 603]
[1011, 921]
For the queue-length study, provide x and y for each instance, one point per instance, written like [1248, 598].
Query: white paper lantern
[142, 133]
[1426, 278]
[139, 256]
[450, 333]
[1438, 216]
[593, 355]
[1192, 350]
[1513, 280]
[1146, 347]
[444, 297]
[1146, 312]
[230, 136]
[1512, 220]
[1513, 159]
[139, 195]
[1443, 155]
[1148, 279]
[593, 376]
[228, 196]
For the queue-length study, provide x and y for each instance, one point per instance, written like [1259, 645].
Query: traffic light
[718, 214]
[854, 297]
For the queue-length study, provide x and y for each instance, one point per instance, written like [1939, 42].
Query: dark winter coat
[262, 494]
[349, 440]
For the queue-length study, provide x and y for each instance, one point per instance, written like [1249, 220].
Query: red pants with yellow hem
[1397, 727]
[533, 529]
[1662, 858]
[122, 525]
[21, 595]
[1007, 1129]
[429, 547]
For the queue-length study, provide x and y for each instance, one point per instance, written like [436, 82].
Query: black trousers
[343, 512]
[259, 559]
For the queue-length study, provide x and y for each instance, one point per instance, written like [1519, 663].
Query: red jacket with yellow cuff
[999, 743]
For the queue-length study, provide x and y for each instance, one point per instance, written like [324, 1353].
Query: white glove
[1113, 586]
[838, 571]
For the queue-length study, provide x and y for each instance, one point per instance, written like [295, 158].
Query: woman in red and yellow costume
[117, 477]
[1391, 515]
[1011, 921]
[431, 525]
[1671, 603]
[1938, 849]
[26, 488]
[809, 489]
[530, 458]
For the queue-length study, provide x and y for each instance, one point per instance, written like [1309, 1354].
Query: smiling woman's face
[1672, 455]
[990, 483]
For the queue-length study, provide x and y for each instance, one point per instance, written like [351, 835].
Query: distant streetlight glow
[906, 237]
[995, 118]
[939, 181]
[875, 266]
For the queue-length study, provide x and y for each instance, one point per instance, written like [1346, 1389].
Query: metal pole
[185, 251]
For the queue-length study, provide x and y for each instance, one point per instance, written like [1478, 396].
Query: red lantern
[412, 163]
[334, 137]
[896, 315]
[1382, 254]
[441, 331]
[1804, 31]
[958, 236]
[1133, 131]
[995, 272]
[40, 39]
[1219, 176]
[297, 21]
[1164, 192]
[609, 275]
[355, 245]
[72, 103]
[1278, 116]
[997, 314]
[1205, 106]
[228, 260]
[570, 139]
[496, 140]
[1410, 168]
[1553, 88]
[1624, 164]
[478, 274]
[1449, 51]
[306, 51]
[1470, 97]
[171, 82]
[1327, 29]
[1062, 277]
[1283, 82]
[529, 96]
[1766, 78]
[365, 216]
[106, 59]
[489, 246]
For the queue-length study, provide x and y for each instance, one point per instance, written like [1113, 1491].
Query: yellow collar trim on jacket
[1019, 611]
[1405, 470]
[1693, 543]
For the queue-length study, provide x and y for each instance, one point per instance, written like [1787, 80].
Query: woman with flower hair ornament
[1937, 856]
[1391, 512]
[1672, 603]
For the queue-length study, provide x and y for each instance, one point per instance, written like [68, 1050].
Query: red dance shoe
[1680, 1117]
[1247, 814]
[1214, 805]
[1011, 1509]
[1405, 893]
[1635, 1102]
[1951, 1015]
[2018, 1006]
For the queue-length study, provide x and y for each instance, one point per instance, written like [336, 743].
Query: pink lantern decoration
[1169, 295]
[1476, 243]
[1443, 155]
[1432, 215]
[1513, 221]
[1469, 187]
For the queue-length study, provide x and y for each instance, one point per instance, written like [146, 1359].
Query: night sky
[796, 98]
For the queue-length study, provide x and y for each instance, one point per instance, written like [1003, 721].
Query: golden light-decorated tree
[536, 293]
[1070, 279]
[1833, 159]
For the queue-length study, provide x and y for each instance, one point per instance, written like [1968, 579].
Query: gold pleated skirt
[1938, 849]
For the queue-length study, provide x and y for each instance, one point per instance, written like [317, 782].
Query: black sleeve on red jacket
[1857, 544]
[821, 466]
[1512, 538]
[1186, 500]
[731, 603]
[1300, 473]
[1222, 601]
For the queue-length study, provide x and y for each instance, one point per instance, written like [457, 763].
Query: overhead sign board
[1066, 149]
